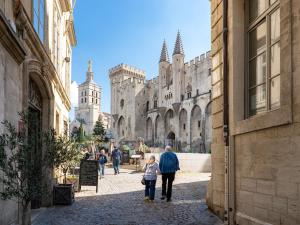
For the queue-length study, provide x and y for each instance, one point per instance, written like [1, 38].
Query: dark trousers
[167, 178]
[150, 189]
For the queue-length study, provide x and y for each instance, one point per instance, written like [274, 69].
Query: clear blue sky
[111, 32]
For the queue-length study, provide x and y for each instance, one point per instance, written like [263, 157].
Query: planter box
[63, 194]
[74, 181]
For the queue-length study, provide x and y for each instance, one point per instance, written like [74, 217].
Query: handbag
[143, 178]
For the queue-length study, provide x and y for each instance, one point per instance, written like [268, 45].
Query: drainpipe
[226, 109]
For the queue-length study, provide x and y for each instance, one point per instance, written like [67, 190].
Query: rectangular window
[39, 17]
[263, 56]
[182, 97]
[189, 94]
[56, 38]
[68, 65]
[155, 104]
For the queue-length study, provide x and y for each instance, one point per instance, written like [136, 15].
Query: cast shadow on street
[187, 207]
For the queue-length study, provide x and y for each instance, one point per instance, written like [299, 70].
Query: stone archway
[35, 104]
[149, 131]
[196, 130]
[159, 131]
[169, 117]
[39, 103]
[183, 129]
[121, 127]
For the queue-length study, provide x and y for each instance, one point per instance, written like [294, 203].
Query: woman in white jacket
[151, 171]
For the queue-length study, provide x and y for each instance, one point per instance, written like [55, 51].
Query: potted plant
[64, 154]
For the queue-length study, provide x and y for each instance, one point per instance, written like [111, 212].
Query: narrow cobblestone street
[120, 201]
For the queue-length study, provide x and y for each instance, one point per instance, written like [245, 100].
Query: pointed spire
[164, 56]
[90, 73]
[178, 49]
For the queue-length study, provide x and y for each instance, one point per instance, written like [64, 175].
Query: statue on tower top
[90, 74]
[90, 66]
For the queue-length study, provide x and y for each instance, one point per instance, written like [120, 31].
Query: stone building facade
[173, 108]
[89, 105]
[256, 108]
[35, 75]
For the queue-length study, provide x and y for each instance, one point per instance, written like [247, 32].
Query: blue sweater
[168, 163]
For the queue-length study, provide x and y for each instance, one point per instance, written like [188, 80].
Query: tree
[62, 152]
[99, 131]
[19, 167]
[17, 163]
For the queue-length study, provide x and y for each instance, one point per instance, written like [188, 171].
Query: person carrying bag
[149, 179]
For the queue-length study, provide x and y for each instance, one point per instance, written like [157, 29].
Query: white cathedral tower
[89, 102]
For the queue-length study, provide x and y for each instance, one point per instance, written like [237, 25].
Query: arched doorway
[170, 140]
[35, 104]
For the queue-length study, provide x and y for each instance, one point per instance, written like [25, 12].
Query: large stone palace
[173, 108]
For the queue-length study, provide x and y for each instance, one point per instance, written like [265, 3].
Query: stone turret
[164, 67]
[178, 49]
[178, 68]
[164, 56]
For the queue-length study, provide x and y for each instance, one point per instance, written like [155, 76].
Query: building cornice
[71, 32]
[10, 41]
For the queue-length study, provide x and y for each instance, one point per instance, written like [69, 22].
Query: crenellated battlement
[199, 59]
[153, 80]
[127, 69]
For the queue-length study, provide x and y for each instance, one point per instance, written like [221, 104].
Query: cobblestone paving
[120, 202]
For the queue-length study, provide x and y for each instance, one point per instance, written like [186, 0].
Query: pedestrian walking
[102, 161]
[116, 157]
[168, 166]
[151, 169]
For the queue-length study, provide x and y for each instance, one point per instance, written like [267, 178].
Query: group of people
[167, 167]
[116, 157]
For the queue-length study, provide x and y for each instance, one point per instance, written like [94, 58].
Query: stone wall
[265, 148]
[189, 162]
[216, 188]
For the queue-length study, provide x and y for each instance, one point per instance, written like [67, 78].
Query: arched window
[122, 103]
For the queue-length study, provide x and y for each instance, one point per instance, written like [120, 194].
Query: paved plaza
[120, 202]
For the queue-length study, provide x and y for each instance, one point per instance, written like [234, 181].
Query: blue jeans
[116, 163]
[101, 168]
[150, 189]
